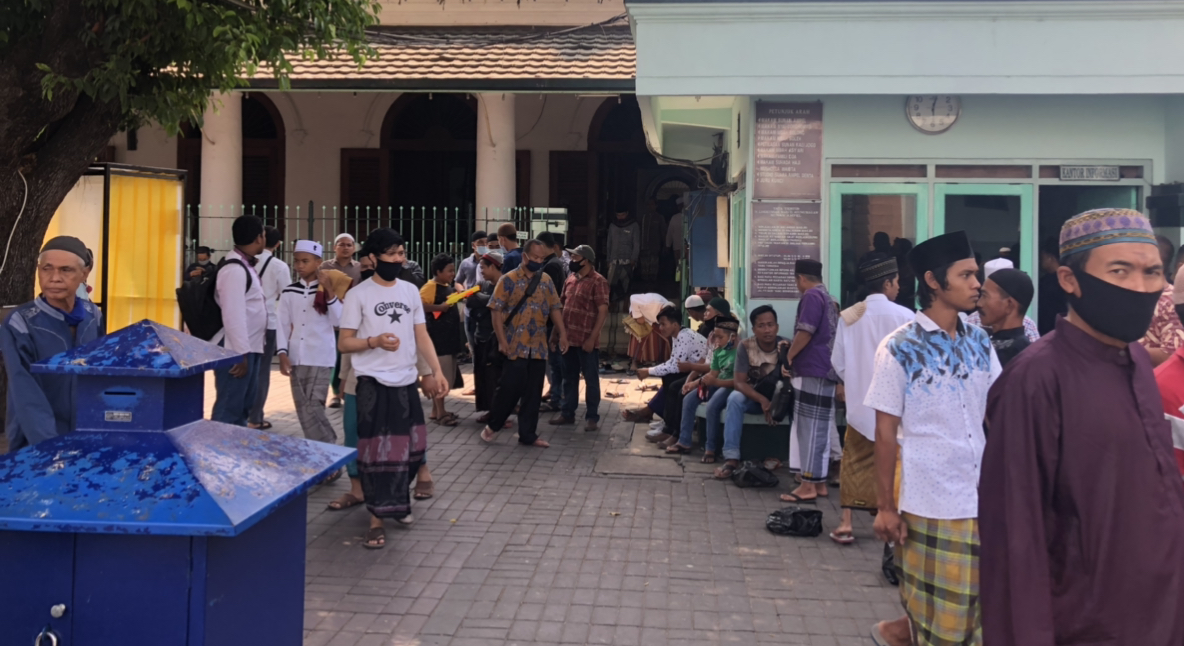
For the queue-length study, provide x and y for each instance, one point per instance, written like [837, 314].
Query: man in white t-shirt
[382, 327]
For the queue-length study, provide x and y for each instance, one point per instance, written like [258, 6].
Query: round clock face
[933, 114]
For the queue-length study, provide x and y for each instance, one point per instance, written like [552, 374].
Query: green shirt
[724, 360]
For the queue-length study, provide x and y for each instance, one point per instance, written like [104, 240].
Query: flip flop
[424, 490]
[842, 539]
[677, 449]
[724, 473]
[346, 501]
[449, 420]
[493, 435]
[373, 535]
[878, 637]
[789, 497]
[708, 458]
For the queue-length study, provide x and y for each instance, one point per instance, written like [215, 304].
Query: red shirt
[582, 298]
[1170, 378]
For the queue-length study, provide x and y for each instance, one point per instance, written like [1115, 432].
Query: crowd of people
[1023, 485]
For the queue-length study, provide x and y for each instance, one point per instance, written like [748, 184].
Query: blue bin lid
[144, 349]
[202, 479]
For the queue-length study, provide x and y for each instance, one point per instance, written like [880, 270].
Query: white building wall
[319, 124]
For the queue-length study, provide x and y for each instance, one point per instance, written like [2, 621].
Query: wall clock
[933, 114]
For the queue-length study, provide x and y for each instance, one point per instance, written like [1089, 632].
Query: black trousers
[672, 401]
[522, 379]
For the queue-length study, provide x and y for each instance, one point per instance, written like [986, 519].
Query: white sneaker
[658, 424]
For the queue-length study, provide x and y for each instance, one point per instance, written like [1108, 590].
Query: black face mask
[1115, 311]
[576, 266]
[387, 271]
[366, 274]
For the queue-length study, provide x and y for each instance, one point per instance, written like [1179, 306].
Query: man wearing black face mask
[1079, 484]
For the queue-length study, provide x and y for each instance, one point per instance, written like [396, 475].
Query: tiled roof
[506, 58]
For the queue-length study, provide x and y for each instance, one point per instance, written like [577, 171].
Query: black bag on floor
[751, 474]
[795, 521]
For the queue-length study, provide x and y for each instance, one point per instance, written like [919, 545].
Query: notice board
[781, 234]
[787, 151]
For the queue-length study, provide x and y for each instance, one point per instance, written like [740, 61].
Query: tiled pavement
[531, 546]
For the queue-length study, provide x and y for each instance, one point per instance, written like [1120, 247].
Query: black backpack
[795, 521]
[195, 298]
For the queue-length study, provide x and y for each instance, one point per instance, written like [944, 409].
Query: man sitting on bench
[756, 358]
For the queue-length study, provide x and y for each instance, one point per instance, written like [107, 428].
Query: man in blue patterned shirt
[929, 388]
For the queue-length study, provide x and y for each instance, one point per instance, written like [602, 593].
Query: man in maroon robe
[1081, 508]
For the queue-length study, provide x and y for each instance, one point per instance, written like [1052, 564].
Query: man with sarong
[383, 327]
[1081, 501]
[929, 388]
[861, 329]
[808, 359]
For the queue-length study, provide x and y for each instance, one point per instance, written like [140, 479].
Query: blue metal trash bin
[149, 525]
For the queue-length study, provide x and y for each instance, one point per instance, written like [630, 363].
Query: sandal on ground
[491, 437]
[772, 464]
[406, 521]
[708, 458]
[332, 477]
[657, 439]
[677, 449]
[449, 420]
[724, 472]
[375, 538]
[793, 497]
[262, 426]
[482, 419]
[346, 501]
[844, 538]
[424, 489]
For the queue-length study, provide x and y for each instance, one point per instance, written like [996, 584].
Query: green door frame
[1027, 224]
[834, 271]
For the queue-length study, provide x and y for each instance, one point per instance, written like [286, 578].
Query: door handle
[47, 637]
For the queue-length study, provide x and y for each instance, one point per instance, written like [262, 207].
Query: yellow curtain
[145, 250]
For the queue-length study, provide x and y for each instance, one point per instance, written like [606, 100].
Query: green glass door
[997, 217]
[866, 217]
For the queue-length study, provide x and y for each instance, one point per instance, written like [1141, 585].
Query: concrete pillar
[221, 170]
[495, 159]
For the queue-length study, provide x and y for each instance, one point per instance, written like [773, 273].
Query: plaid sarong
[939, 578]
[814, 408]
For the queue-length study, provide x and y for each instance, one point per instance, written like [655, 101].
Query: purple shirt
[817, 315]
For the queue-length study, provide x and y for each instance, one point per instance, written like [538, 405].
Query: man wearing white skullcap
[308, 311]
[974, 318]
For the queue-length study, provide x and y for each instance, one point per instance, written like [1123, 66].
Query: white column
[495, 159]
[221, 170]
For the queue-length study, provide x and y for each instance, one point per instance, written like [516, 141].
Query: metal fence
[429, 231]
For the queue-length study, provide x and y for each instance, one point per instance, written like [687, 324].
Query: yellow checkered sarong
[939, 580]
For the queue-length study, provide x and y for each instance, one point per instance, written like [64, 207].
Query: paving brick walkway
[531, 546]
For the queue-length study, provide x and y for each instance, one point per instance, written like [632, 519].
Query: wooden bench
[758, 440]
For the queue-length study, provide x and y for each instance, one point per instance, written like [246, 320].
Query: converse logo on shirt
[391, 310]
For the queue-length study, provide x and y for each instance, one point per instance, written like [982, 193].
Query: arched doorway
[262, 165]
[431, 143]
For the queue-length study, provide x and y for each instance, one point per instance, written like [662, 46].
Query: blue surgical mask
[481, 251]
[534, 266]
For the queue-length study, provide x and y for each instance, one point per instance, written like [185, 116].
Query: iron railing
[429, 231]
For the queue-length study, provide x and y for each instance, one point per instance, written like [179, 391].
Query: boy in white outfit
[308, 311]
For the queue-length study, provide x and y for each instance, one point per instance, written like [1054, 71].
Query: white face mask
[481, 251]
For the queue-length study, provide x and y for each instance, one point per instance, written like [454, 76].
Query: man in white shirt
[274, 276]
[929, 388]
[238, 291]
[306, 342]
[861, 329]
[383, 327]
[688, 351]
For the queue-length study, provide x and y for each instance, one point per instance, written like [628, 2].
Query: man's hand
[709, 381]
[434, 386]
[589, 344]
[239, 370]
[689, 386]
[285, 365]
[563, 344]
[840, 393]
[767, 408]
[785, 372]
[890, 527]
[643, 373]
[503, 347]
[388, 342]
[195, 273]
